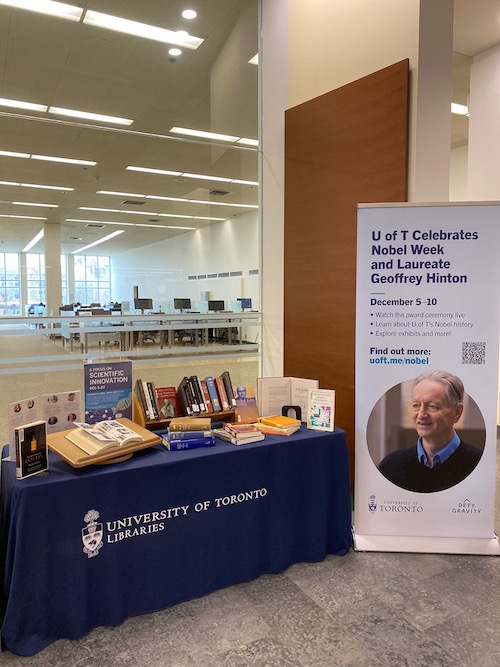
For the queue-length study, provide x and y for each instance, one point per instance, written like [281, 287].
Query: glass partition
[137, 162]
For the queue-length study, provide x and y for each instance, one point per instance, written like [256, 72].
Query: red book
[206, 396]
[168, 406]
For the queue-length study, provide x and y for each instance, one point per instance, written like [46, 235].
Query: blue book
[187, 435]
[214, 396]
[191, 443]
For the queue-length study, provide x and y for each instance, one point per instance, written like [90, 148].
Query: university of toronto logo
[372, 504]
[92, 534]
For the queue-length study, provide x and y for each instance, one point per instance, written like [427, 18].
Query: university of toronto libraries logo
[92, 534]
[372, 504]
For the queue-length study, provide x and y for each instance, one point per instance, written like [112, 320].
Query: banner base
[445, 545]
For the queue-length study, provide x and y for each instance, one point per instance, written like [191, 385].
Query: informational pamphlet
[321, 410]
[61, 410]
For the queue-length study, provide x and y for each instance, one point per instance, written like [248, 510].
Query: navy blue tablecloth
[86, 547]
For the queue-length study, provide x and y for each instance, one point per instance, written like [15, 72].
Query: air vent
[133, 202]
[75, 238]
[253, 272]
[191, 277]
[154, 220]
[219, 193]
[211, 275]
[233, 274]
[202, 276]
[94, 224]
[224, 274]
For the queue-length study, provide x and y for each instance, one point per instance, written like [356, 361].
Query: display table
[81, 548]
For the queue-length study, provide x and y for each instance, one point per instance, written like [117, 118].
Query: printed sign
[426, 374]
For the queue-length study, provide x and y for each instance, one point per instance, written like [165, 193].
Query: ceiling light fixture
[30, 203]
[148, 170]
[74, 113]
[65, 160]
[254, 60]
[18, 104]
[21, 217]
[102, 222]
[144, 30]
[189, 14]
[202, 134]
[33, 241]
[13, 154]
[459, 109]
[174, 52]
[58, 9]
[120, 194]
[46, 187]
[105, 238]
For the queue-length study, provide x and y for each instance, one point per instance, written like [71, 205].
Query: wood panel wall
[345, 147]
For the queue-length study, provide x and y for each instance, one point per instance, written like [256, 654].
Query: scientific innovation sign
[427, 300]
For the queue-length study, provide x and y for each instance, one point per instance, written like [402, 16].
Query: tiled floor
[362, 610]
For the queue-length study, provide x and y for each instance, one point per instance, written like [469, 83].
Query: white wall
[161, 270]
[458, 174]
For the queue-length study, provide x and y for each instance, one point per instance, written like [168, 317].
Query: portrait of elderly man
[439, 459]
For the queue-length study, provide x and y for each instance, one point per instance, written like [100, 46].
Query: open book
[101, 437]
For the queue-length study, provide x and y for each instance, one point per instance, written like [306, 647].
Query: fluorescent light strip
[185, 174]
[32, 203]
[180, 38]
[46, 187]
[19, 104]
[105, 238]
[66, 160]
[73, 113]
[173, 215]
[22, 217]
[48, 158]
[13, 154]
[120, 194]
[161, 198]
[33, 241]
[58, 9]
[216, 136]
[149, 170]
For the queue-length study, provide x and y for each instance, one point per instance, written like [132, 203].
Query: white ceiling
[57, 62]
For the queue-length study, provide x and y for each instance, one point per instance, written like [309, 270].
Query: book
[183, 401]
[321, 410]
[190, 424]
[216, 406]
[206, 396]
[278, 425]
[221, 391]
[166, 399]
[187, 435]
[151, 399]
[240, 439]
[141, 398]
[31, 449]
[198, 394]
[191, 397]
[102, 437]
[238, 427]
[190, 443]
[246, 405]
[274, 393]
[228, 386]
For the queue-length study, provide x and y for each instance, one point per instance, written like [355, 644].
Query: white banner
[427, 302]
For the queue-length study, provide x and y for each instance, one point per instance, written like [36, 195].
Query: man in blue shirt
[440, 459]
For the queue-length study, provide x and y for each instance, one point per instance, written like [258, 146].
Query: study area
[352, 610]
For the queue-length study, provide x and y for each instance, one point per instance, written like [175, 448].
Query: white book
[102, 437]
[273, 393]
[321, 410]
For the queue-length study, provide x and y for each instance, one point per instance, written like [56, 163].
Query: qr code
[473, 353]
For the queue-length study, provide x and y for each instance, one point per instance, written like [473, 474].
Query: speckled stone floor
[362, 610]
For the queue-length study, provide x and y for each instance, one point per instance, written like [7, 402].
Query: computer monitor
[182, 304]
[143, 304]
[216, 306]
[245, 302]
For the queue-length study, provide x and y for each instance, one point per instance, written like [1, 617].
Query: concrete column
[431, 107]
[52, 247]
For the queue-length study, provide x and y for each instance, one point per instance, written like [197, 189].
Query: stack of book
[239, 434]
[189, 434]
[212, 394]
[278, 425]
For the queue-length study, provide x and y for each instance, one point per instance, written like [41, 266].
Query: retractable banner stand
[427, 302]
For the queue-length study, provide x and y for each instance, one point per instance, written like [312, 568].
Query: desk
[175, 526]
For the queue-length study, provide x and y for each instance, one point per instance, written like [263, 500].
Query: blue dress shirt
[441, 456]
